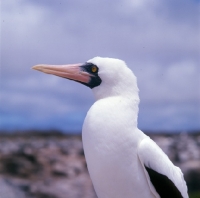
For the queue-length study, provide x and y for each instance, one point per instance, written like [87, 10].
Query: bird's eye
[94, 69]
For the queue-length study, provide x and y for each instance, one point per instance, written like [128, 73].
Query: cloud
[176, 82]
[159, 40]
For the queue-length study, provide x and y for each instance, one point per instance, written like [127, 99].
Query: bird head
[105, 76]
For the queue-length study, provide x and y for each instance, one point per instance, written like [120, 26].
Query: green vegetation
[194, 194]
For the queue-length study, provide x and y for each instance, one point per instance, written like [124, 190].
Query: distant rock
[7, 190]
[54, 166]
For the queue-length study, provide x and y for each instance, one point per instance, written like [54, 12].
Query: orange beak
[72, 72]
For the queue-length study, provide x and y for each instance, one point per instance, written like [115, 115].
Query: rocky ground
[53, 165]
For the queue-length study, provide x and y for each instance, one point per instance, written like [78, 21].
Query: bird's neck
[131, 94]
[128, 102]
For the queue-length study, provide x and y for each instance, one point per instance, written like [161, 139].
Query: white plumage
[116, 150]
[122, 161]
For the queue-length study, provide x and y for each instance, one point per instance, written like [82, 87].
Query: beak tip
[36, 67]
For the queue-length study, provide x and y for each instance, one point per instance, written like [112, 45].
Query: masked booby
[122, 161]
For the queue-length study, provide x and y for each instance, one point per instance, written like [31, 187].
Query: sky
[158, 39]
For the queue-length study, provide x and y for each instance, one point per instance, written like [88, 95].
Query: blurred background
[41, 115]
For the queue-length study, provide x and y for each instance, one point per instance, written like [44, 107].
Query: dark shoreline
[78, 133]
[37, 164]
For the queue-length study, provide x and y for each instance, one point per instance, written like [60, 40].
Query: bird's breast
[109, 132]
[110, 138]
[110, 124]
